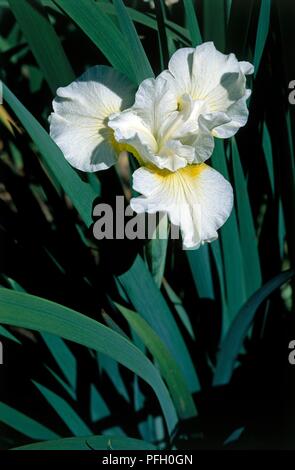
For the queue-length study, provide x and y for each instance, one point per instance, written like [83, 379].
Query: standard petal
[216, 77]
[246, 67]
[209, 76]
[197, 199]
[154, 102]
[180, 66]
[79, 123]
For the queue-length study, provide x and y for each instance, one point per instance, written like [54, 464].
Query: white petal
[216, 77]
[174, 155]
[154, 102]
[131, 130]
[180, 66]
[209, 76]
[196, 198]
[79, 123]
[246, 67]
[238, 115]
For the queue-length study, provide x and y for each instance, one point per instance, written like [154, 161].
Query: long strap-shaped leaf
[192, 23]
[234, 339]
[169, 369]
[49, 53]
[27, 311]
[103, 32]
[141, 66]
[90, 443]
[24, 424]
[262, 32]
[249, 245]
[150, 303]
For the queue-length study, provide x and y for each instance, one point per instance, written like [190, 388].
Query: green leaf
[231, 246]
[80, 192]
[49, 53]
[90, 443]
[169, 369]
[4, 332]
[246, 225]
[98, 407]
[199, 262]
[215, 20]
[239, 24]
[267, 149]
[192, 23]
[102, 31]
[141, 66]
[23, 424]
[111, 368]
[262, 32]
[184, 318]
[173, 30]
[162, 36]
[63, 383]
[63, 357]
[38, 314]
[156, 250]
[233, 341]
[150, 304]
[66, 413]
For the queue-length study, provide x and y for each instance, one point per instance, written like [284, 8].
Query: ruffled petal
[175, 155]
[154, 102]
[197, 199]
[79, 123]
[238, 116]
[131, 130]
[213, 78]
[180, 66]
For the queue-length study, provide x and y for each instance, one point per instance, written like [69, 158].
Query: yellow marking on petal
[123, 148]
[189, 171]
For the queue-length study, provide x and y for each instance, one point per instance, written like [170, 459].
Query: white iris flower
[170, 129]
